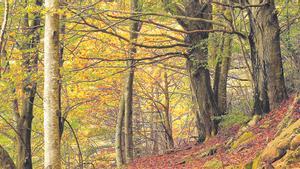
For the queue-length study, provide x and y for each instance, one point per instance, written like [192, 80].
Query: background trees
[164, 67]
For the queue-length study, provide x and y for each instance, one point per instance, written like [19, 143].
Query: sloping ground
[260, 143]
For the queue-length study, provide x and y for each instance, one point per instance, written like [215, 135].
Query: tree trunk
[128, 114]
[2, 33]
[217, 67]
[199, 123]
[167, 116]
[267, 40]
[30, 61]
[5, 160]
[134, 29]
[197, 64]
[51, 87]
[118, 143]
[3, 29]
[61, 62]
[154, 129]
[261, 103]
[225, 64]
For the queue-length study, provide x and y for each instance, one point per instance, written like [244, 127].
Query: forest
[141, 84]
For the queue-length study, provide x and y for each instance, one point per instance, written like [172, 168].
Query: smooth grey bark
[128, 94]
[119, 127]
[128, 114]
[52, 157]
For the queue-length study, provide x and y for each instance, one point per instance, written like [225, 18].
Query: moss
[280, 144]
[207, 152]
[234, 118]
[290, 158]
[213, 164]
[249, 165]
[256, 163]
[295, 142]
[244, 138]
[233, 167]
[254, 120]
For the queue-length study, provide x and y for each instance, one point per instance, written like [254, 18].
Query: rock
[207, 152]
[286, 162]
[295, 143]
[214, 163]
[254, 164]
[244, 138]
[287, 140]
[254, 120]
[242, 130]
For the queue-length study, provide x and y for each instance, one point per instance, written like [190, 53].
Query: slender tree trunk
[134, 28]
[30, 61]
[267, 40]
[4, 24]
[2, 33]
[154, 128]
[217, 67]
[225, 64]
[51, 87]
[167, 116]
[6, 161]
[118, 143]
[128, 114]
[61, 62]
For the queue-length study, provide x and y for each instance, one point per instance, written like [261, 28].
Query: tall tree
[167, 114]
[225, 65]
[223, 62]
[127, 98]
[29, 48]
[266, 33]
[51, 86]
[128, 94]
[197, 58]
[261, 102]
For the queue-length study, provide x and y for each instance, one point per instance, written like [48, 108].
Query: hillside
[272, 141]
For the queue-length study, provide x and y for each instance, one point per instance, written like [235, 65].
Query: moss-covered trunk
[266, 33]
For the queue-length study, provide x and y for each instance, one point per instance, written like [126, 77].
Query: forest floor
[231, 148]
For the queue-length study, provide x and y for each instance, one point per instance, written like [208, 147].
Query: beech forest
[149, 84]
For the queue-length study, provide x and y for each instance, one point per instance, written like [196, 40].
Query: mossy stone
[244, 138]
[214, 163]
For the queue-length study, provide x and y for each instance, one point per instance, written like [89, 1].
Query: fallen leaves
[263, 132]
